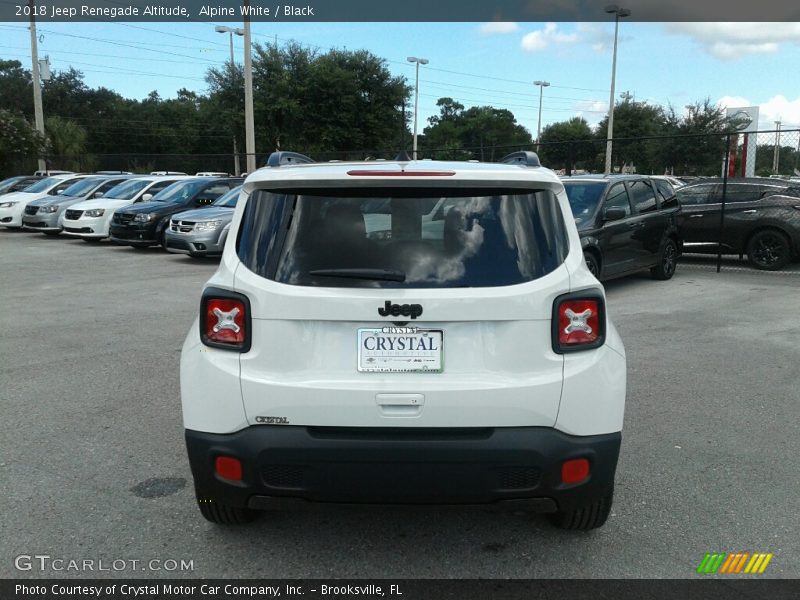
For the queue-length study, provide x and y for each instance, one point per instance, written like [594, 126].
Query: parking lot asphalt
[93, 465]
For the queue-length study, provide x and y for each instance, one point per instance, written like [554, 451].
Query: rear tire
[667, 261]
[223, 514]
[588, 517]
[769, 250]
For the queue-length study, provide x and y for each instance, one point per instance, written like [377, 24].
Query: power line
[494, 103]
[121, 70]
[126, 45]
[116, 56]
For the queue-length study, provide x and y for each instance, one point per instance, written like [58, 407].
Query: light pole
[249, 126]
[240, 32]
[542, 85]
[418, 62]
[776, 158]
[617, 12]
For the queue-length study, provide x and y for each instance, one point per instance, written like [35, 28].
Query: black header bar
[399, 11]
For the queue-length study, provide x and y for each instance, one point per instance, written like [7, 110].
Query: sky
[735, 64]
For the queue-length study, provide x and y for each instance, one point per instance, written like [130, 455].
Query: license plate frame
[399, 360]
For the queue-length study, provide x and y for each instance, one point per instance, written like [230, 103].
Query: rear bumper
[518, 466]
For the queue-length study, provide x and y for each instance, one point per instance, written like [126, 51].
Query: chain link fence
[723, 158]
[758, 154]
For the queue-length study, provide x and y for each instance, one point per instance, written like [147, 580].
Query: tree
[481, 132]
[568, 144]
[696, 146]
[442, 138]
[19, 144]
[337, 101]
[16, 89]
[634, 121]
[66, 142]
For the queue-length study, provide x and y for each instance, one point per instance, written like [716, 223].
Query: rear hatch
[402, 307]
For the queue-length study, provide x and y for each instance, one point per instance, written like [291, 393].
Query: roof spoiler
[277, 159]
[525, 158]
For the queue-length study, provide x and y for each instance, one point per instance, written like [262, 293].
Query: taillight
[225, 320]
[579, 322]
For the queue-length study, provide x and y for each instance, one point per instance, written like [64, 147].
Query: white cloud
[591, 110]
[599, 38]
[538, 40]
[730, 41]
[498, 27]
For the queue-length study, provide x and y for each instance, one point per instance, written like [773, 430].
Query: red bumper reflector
[575, 470]
[228, 468]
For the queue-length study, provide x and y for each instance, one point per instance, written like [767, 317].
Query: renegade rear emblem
[395, 310]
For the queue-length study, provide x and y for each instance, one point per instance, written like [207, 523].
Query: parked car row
[629, 223]
[134, 210]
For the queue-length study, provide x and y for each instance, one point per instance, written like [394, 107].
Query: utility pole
[626, 96]
[231, 30]
[249, 126]
[37, 85]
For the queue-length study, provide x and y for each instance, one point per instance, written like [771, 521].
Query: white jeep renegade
[405, 332]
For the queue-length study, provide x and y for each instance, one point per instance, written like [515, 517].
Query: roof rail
[523, 157]
[276, 159]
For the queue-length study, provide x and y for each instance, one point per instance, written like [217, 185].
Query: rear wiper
[382, 274]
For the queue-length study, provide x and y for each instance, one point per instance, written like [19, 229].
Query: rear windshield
[402, 238]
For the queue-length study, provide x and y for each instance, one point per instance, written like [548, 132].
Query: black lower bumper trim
[292, 464]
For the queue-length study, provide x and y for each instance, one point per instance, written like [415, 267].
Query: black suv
[145, 223]
[762, 219]
[627, 223]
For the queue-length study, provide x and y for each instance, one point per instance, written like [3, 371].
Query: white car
[91, 219]
[12, 206]
[474, 363]
[47, 214]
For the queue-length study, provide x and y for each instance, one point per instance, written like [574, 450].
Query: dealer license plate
[400, 350]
